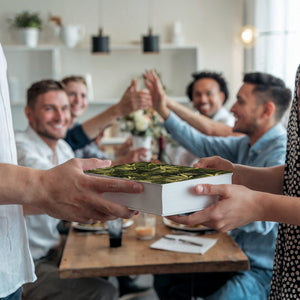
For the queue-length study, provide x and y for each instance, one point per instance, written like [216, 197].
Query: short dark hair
[42, 87]
[270, 88]
[74, 78]
[218, 77]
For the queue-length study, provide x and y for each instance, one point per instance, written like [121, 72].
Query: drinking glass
[115, 232]
[145, 226]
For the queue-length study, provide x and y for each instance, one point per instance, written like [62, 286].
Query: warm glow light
[248, 35]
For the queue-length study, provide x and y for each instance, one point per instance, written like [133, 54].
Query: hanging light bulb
[100, 43]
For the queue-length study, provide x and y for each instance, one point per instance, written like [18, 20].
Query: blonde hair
[69, 79]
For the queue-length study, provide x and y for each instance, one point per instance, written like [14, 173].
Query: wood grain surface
[89, 255]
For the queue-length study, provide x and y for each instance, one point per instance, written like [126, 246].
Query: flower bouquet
[144, 126]
[142, 123]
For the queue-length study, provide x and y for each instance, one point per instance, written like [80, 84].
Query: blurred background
[193, 35]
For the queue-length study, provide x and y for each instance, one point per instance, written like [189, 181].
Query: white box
[167, 199]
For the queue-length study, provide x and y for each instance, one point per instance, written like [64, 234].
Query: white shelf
[113, 47]
[109, 102]
[25, 48]
[138, 47]
[111, 74]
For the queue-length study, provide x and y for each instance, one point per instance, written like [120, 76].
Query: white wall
[212, 24]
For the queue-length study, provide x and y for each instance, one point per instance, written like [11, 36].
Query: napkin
[184, 243]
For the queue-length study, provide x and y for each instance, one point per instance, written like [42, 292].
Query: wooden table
[89, 255]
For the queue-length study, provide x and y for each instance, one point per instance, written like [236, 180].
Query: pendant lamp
[150, 42]
[100, 43]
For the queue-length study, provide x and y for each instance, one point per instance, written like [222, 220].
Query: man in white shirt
[42, 146]
[16, 266]
[41, 190]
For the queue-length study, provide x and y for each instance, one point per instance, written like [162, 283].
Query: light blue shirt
[257, 239]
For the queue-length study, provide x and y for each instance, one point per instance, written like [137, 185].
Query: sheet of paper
[179, 243]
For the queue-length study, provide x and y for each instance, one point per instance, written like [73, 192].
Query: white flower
[137, 114]
[141, 124]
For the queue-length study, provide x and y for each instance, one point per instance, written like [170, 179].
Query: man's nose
[233, 108]
[203, 97]
[76, 99]
[59, 115]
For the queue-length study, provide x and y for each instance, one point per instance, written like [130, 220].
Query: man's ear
[222, 95]
[269, 108]
[28, 112]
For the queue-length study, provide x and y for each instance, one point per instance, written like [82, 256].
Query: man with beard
[261, 103]
[208, 93]
[42, 146]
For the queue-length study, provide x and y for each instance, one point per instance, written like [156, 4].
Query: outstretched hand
[159, 99]
[215, 162]
[219, 163]
[133, 99]
[67, 193]
[236, 206]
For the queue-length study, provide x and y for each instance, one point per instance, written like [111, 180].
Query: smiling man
[261, 103]
[208, 93]
[42, 146]
[48, 112]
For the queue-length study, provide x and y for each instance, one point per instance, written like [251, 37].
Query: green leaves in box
[155, 173]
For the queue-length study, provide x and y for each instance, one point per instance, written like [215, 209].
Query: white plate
[102, 227]
[183, 227]
[128, 223]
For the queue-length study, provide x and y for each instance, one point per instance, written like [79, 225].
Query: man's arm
[200, 122]
[65, 192]
[131, 101]
[163, 104]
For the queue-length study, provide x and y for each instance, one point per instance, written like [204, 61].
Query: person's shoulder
[277, 133]
[24, 136]
[64, 147]
[20, 134]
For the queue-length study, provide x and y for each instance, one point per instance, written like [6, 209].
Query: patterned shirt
[286, 273]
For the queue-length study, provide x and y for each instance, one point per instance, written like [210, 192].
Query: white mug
[71, 35]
